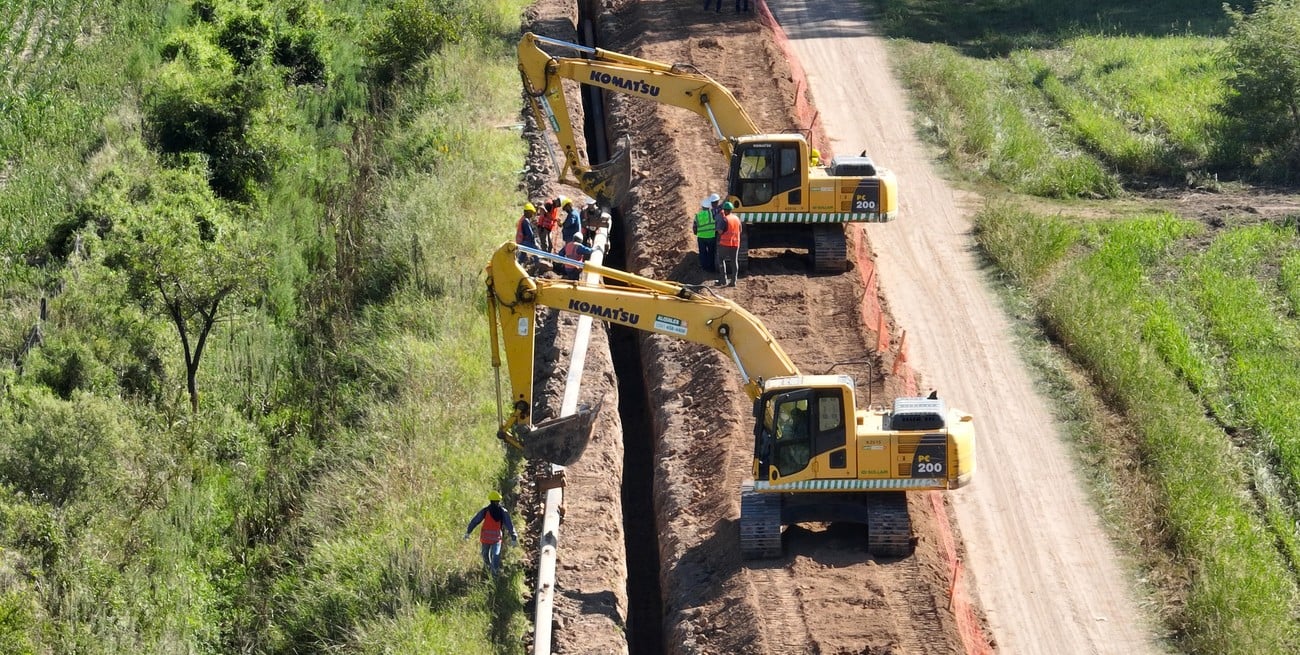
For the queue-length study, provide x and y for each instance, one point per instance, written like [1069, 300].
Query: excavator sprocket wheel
[760, 523]
[889, 527]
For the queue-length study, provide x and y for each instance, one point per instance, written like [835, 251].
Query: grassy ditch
[1186, 330]
[323, 221]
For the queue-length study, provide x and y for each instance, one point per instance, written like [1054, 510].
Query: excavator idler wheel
[889, 527]
[563, 440]
[760, 523]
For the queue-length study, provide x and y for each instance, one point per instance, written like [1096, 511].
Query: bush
[57, 449]
[414, 29]
[245, 36]
[210, 111]
[300, 51]
[1263, 104]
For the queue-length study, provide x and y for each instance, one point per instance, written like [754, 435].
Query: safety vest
[546, 220]
[704, 227]
[490, 531]
[524, 232]
[571, 251]
[731, 238]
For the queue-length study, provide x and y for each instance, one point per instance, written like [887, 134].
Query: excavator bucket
[609, 182]
[562, 441]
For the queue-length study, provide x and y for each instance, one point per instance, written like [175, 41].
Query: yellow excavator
[781, 196]
[817, 457]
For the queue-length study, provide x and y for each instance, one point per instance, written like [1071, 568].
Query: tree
[184, 253]
[1263, 102]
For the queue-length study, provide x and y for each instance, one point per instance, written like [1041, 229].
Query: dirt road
[1047, 576]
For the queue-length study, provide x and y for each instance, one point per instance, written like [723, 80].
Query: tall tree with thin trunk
[185, 255]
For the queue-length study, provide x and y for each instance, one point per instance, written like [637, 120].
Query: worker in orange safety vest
[729, 247]
[496, 523]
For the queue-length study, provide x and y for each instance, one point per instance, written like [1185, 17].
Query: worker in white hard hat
[706, 235]
[496, 524]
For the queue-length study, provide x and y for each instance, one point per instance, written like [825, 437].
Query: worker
[546, 227]
[729, 248]
[576, 250]
[591, 222]
[815, 157]
[572, 220]
[525, 232]
[706, 236]
[715, 208]
[557, 214]
[496, 523]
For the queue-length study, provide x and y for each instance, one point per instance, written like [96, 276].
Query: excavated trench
[641, 534]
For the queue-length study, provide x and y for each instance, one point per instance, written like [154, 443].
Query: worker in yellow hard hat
[496, 523]
[526, 232]
[815, 157]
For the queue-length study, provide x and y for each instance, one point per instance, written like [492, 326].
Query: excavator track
[889, 527]
[830, 249]
[760, 523]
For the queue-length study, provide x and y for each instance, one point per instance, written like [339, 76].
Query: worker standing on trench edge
[729, 248]
[546, 227]
[496, 523]
[706, 236]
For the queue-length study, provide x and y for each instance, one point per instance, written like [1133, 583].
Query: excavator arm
[622, 298]
[679, 85]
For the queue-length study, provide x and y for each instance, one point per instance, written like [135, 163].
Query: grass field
[1184, 329]
[316, 499]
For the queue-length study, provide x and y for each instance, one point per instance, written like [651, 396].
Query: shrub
[211, 111]
[245, 36]
[300, 51]
[414, 29]
[57, 449]
[1263, 104]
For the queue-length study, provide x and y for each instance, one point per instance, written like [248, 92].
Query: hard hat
[728, 206]
[704, 203]
[560, 201]
[713, 197]
[816, 152]
[528, 207]
[494, 496]
[566, 202]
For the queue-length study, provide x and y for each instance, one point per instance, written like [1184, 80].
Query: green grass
[1066, 104]
[1189, 336]
[346, 435]
[1105, 289]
